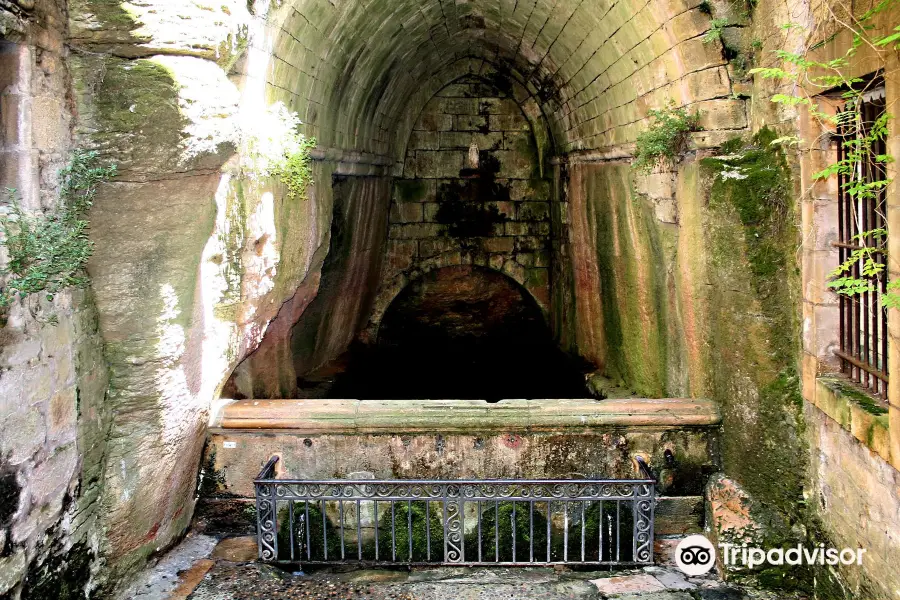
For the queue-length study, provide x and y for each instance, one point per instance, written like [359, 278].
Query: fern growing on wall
[47, 252]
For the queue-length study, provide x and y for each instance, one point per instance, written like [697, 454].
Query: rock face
[333, 302]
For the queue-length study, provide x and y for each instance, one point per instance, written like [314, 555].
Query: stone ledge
[392, 416]
[862, 416]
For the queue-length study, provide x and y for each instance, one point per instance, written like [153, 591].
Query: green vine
[813, 78]
[665, 138]
[276, 148]
[47, 252]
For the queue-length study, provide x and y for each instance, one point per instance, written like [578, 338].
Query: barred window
[863, 317]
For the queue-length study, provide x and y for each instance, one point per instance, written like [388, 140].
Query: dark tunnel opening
[461, 332]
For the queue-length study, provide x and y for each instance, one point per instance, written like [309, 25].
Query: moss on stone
[410, 190]
[210, 481]
[753, 235]
[497, 524]
[230, 51]
[131, 108]
[633, 283]
[113, 15]
[411, 518]
[860, 398]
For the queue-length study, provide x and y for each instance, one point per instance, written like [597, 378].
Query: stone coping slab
[864, 417]
[393, 416]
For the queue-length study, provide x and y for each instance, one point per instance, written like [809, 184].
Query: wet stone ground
[228, 580]
[206, 567]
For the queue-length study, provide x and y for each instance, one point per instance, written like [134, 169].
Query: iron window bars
[465, 522]
[863, 318]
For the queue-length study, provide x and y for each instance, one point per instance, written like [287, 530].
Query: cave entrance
[462, 332]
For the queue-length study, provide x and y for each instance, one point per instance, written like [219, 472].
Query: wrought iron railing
[465, 522]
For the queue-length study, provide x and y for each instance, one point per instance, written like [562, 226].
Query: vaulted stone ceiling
[359, 72]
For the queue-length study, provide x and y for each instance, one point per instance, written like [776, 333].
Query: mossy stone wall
[700, 300]
[620, 257]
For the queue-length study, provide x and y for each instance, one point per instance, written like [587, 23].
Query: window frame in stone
[863, 322]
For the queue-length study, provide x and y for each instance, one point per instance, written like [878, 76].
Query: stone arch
[464, 331]
[350, 69]
[389, 292]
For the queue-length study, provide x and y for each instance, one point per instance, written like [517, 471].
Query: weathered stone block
[517, 140]
[470, 123]
[655, 185]
[504, 208]
[708, 83]
[540, 228]
[462, 140]
[406, 212]
[436, 246]
[508, 123]
[424, 140]
[688, 24]
[435, 122]
[514, 165]
[459, 106]
[437, 164]
[516, 228]
[411, 231]
[533, 211]
[431, 209]
[530, 243]
[722, 114]
[730, 519]
[498, 244]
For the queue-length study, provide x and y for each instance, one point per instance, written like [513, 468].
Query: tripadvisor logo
[695, 555]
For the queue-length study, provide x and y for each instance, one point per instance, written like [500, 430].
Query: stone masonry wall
[446, 211]
[53, 380]
[857, 495]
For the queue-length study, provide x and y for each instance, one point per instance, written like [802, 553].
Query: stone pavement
[232, 581]
[231, 573]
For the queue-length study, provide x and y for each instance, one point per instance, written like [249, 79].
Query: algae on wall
[705, 307]
[752, 241]
[751, 331]
[620, 279]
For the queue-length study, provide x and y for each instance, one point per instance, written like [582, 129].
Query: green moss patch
[410, 190]
[752, 231]
[632, 280]
[844, 388]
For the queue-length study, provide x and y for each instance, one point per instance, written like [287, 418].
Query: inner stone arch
[461, 332]
[473, 189]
